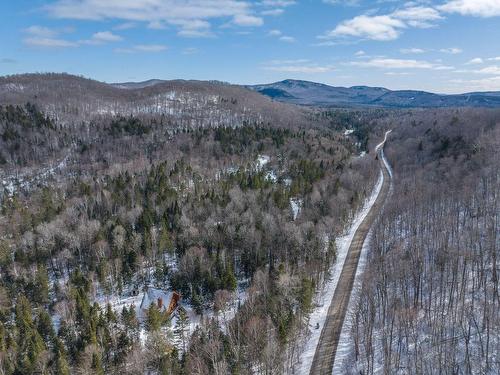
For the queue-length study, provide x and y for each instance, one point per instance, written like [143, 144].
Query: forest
[238, 211]
[429, 299]
[138, 204]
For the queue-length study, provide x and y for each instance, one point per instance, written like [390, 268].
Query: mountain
[70, 98]
[317, 94]
[137, 85]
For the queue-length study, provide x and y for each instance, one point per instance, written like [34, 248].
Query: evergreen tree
[61, 362]
[197, 302]
[154, 318]
[41, 294]
[181, 327]
[97, 364]
[332, 249]
[45, 328]
[29, 340]
[230, 281]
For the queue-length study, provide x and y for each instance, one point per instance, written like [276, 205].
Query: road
[324, 356]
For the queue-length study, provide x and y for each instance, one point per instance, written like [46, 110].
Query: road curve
[324, 356]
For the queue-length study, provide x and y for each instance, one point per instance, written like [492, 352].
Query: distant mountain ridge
[60, 89]
[318, 94]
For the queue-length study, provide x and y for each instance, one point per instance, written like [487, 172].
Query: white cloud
[412, 50]
[184, 14]
[288, 62]
[475, 61]
[398, 74]
[157, 25]
[142, 48]
[190, 51]
[418, 16]
[342, 2]
[281, 37]
[387, 26]
[287, 39]
[273, 12]
[452, 50]
[195, 29]
[300, 69]
[277, 3]
[360, 53]
[297, 66]
[43, 37]
[478, 8]
[49, 42]
[386, 63]
[103, 37]
[125, 26]
[368, 27]
[41, 31]
[195, 33]
[247, 20]
[275, 7]
[493, 69]
[494, 58]
[483, 84]
[150, 47]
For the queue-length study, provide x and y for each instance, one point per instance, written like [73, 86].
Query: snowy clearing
[296, 205]
[262, 160]
[349, 131]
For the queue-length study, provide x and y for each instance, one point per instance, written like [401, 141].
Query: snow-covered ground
[262, 160]
[129, 298]
[348, 131]
[271, 176]
[296, 205]
[324, 296]
[11, 184]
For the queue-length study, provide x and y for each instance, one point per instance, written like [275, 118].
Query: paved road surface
[324, 356]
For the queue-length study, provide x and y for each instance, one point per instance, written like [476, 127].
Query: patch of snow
[9, 187]
[262, 160]
[296, 205]
[349, 131]
[13, 87]
[271, 176]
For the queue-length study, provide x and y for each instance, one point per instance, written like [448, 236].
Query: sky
[443, 46]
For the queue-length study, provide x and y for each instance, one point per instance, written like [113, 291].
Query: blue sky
[447, 46]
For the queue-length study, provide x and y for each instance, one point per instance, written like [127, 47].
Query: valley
[190, 227]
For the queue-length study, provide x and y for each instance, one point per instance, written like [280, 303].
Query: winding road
[324, 356]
